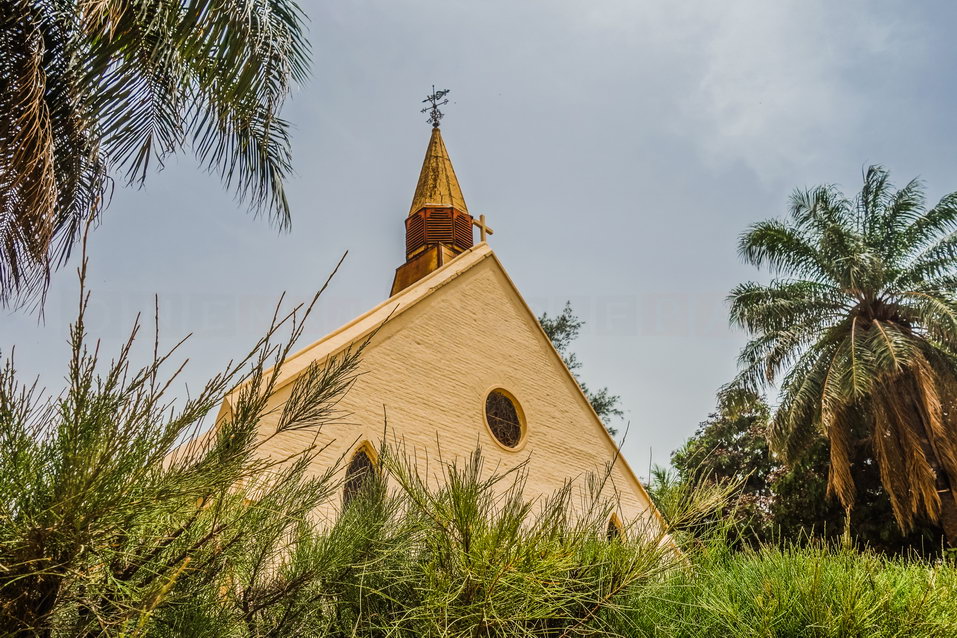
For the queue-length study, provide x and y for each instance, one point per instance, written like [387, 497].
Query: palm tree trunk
[948, 500]
[948, 510]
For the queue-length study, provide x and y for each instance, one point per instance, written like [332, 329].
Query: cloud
[777, 86]
[784, 84]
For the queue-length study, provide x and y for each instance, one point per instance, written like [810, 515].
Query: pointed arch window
[361, 468]
[615, 531]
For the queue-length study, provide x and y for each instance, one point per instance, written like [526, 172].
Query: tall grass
[799, 592]
[798, 587]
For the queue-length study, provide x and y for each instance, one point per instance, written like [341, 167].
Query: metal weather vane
[436, 99]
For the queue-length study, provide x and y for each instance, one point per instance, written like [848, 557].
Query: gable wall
[430, 368]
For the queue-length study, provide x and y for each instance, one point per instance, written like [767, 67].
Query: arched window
[358, 473]
[504, 418]
[615, 532]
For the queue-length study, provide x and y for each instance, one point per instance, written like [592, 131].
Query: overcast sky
[618, 149]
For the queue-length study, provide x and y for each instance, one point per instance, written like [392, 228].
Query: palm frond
[798, 418]
[863, 328]
[112, 87]
[929, 226]
[840, 478]
[783, 249]
[933, 311]
[934, 259]
[787, 304]
[900, 210]
[819, 208]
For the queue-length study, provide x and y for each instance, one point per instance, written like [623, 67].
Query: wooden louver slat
[446, 225]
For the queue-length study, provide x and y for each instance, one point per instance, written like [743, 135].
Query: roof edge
[618, 457]
[378, 314]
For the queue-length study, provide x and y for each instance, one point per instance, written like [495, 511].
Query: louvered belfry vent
[414, 233]
[462, 231]
[437, 225]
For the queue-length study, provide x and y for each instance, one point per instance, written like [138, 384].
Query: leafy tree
[710, 501]
[860, 328]
[731, 446]
[563, 330]
[96, 91]
[781, 502]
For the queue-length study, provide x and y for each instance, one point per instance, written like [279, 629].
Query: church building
[458, 360]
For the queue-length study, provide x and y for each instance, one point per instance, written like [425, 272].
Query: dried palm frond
[104, 89]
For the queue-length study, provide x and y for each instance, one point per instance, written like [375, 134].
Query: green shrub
[798, 592]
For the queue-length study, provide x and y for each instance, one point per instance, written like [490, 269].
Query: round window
[504, 418]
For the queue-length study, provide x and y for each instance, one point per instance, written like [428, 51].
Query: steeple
[438, 186]
[439, 226]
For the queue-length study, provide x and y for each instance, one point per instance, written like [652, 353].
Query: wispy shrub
[102, 532]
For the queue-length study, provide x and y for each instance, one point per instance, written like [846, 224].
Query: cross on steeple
[483, 229]
[435, 99]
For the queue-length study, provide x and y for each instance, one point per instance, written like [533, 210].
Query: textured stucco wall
[430, 368]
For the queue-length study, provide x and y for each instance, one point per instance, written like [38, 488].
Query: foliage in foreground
[790, 592]
[101, 529]
[95, 92]
[781, 589]
[104, 532]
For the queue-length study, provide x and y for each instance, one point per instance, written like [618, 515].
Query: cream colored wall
[430, 368]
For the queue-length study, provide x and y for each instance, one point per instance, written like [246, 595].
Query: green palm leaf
[96, 90]
[860, 332]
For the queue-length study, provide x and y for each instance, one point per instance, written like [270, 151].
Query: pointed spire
[437, 185]
[438, 227]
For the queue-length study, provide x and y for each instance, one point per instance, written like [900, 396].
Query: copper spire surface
[438, 186]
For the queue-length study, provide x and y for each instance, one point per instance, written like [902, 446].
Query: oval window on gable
[358, 473]
[504, 418]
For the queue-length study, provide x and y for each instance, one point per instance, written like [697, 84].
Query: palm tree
[859, 326]
[100, 89]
